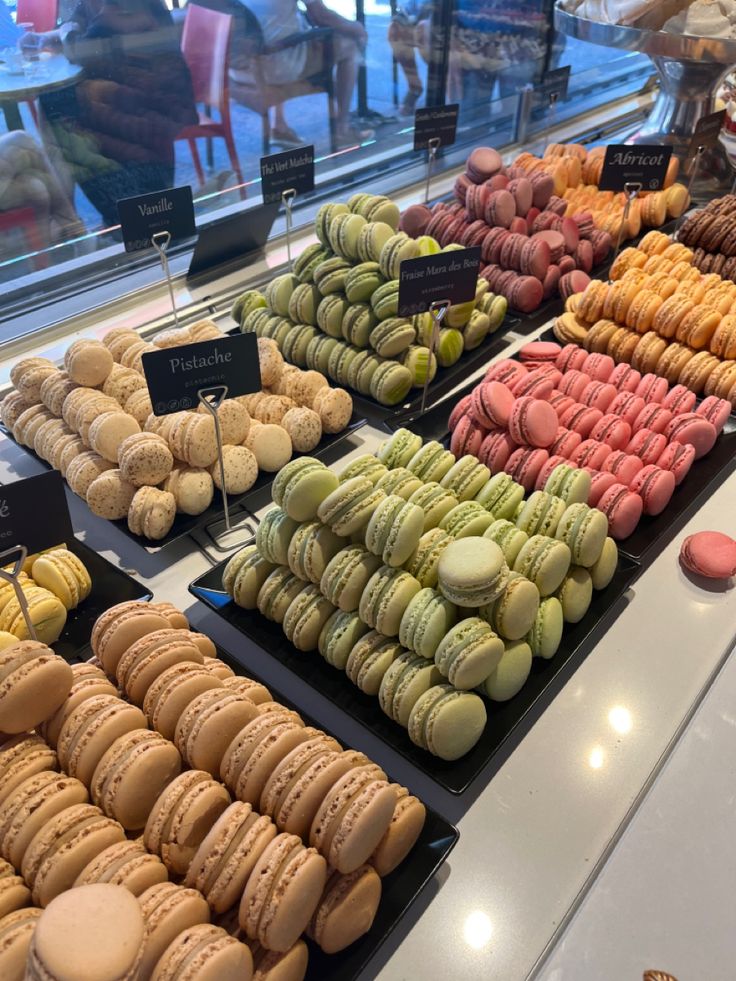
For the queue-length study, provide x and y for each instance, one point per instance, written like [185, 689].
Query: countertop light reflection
[477, 929]
[596, 758]
[620, 719]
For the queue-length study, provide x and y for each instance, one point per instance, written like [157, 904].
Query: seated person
[115, 130]
[280, 19]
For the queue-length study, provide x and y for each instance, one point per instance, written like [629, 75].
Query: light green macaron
[372, 239]
[424, 561]
[575, 593]
[244, 575]
[425, 622]
[466, 478]
[545, 635]
[394, 530]
[385, 598]
[274, 534]
[447, 722]
[472, 572]
[512, 671]
[420, 363]
[466, 520]
[301, 486]
[277, 592]
[391, 337]
[468, 653]
[303, 304]
[399, 448]
[570, 483]
[330, 312]
[603, 571]
[305, 617]
[513, 613]
[385, 302]
[399, 481]
[431, 462]
[346, 576]
[362, 282]
[405, 681]
[357, 323]
[390, 383]
[339, 636]
[435, 501]
[311, 548]
[364, 466]
[506, 535]
[541, 514]
[544, 561]
[349, 507]
[370, 659]
[584, 530]
[501, 495]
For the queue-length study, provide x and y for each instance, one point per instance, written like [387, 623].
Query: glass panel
[103, 99]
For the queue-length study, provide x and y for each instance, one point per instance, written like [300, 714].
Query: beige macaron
[126, 863]
[151, 513]
[120, 338]
[205, 953]
[109, 430]
[91, 729]
[241, 469]
[172, 691]
[334, 407]
[14, 893]
[209, 724]
[177, 619]
[138, 405]
[122, 382]
[33, 684]
[83, 469]
[234, 420]
[11, 407]
[66, 450]
[192, 487]
[150, 656]
[271, 361]
[88, 362]
[55, 389]
[346, 909]
[22, 757]
[28, 375]
[88, 680]
[110, 495]
[16, 931]
[119, 627]
[271, 446]
[168, 909]
[304, 427]
[29, 422]
[193, 439]
[145, 458]
[31, 806]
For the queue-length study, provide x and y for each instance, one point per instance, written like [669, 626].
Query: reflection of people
[9, 33]
[27, 180]
[409, 29]
[280, 19]
[116, 129]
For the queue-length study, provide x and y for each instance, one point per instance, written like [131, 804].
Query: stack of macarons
[299, 801]
[662, 316]
[409, 573]
[711, 233]
[531, 250]
[337, 313]
[34, 683]
[576, 172]
[129, 464]
[635, 437]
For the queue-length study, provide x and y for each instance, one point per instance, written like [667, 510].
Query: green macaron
[373, 236]
[362, 281]
[394, 530]
[476, 330]
[391, 337]
[569, 483]
[512, 671]
[424, 561]
[325, 216]
[399, 448]
[274, 534]
[301, 486]
[390, 383]
[357, 323]
[379, 208]
[393, 253]
[575, 593]
[364, 466]
[246, 303]
[435, 501]
[279, 291]
[385, 598]
[385, 301]
[466, 478]
[544, 561]
[602, 572]
[420, 363]
[244, 575]
[501, 496]
[545, 634]
[399, 481]
[338, 637]
[343, 233]
[307, 262]
[431, 462]
[318, 352]
[472, 572]
[468, 653]
[541, 514]
[425, 622]
[346, 576]
[329, 276]
[506, 535]
[363, 368]
[349, 507]
[277, 592]
[330, 312]
[341, 360]
[447, 722]
[513, 613]
[305, 617]
[254, 321]
[450, 347]
[405, 681]
[370, 659]
[295, 344]
[466, 520]
[311, 547]
[303, 304]
[584, 530]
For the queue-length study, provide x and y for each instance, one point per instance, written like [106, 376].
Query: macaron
[30, 806]
[22, 757]
[655, 487]
[472, 572]
[16, 931]
[623, 510]
[209, 724]
[120, 626]
[709, 553]
[545, 561]
[346, 909]
[34, 683]
[126, 863]
[468, 653]
[394, 530]
[423, 564]
[167, 909]
[201, 950]
[90, 731]
[301, 486]
[545, 634]
[447, 722]
[311, 547]
[425, 622]
[512, 671]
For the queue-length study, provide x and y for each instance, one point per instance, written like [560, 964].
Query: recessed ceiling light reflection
[477, 929]
[596, 758]
[620, 719]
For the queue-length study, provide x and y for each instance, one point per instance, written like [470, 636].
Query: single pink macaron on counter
[709, 553]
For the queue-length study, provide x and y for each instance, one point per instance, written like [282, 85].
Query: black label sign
[34, 513]
[169, 211]
[706, 133]
[450, 276]
[555, 84]
[643, 164]
[291, 169]
[176, 375]
[435, 123]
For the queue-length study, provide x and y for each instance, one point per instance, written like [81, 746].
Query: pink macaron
[467, 437]
[709, 553]
[648, 446]
[628, 406]
[653, 416]
[571, 357]
[524, 465]
[600, 481]
[655, 487]
[574, 383]
[560, 403]
[715, 410]
[540, 351]
[652, 388]
[613, 431]
[679, 399]
[554, 240]
[625, 378]
[692, 428]
[500, 208]
[495, 450]
[492, 403]
[623, 466]
[598, 395]
[565, 443]
[623, 510]
[533, 421]
[459, 411]
[483, 163]
[574, 281]
[581, 418]
[505, 371]
[546, 472]
[599, 367]
[677, 457]
[535, 384]
[591, 454]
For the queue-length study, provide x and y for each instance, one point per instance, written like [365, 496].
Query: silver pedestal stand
[690, 70]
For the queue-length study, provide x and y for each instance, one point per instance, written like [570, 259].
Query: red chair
[25, 220]
[205, 45]
[43, 14]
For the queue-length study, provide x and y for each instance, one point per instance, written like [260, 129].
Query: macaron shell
[32, 690]
[709, 553]
[346, 910]
[32, 806]
[204, 953]
[454, 723]
[511, 673]
[168, 909]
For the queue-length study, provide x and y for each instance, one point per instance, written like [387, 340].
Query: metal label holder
[161, 241]
[433, 145]
[287, 197]
[554, 98]
[20, 554]
[693, 174]
[437, 311]
[632, 189]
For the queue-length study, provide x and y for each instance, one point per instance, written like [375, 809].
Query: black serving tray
[185, 523]
[110, 585]
[400, 889]
[508, 722]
